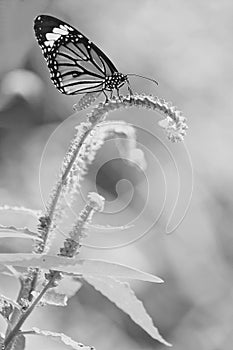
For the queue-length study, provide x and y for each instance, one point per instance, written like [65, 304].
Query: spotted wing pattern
[76, 65]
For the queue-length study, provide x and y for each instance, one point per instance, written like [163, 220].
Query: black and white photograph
[116, 175]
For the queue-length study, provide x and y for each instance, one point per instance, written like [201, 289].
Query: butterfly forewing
[76, 64]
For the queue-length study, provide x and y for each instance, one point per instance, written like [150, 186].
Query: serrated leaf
[63, 339]
[75, 266]
[17, 232]
[123, 296]
[109, 227]
[20, 210]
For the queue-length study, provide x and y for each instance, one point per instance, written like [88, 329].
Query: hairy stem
[175, 128]
[97, 115]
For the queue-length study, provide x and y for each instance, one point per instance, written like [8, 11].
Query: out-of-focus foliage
[187, 47]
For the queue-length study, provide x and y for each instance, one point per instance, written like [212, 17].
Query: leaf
[109, 227]
[63, 339]
[32, 212]
[16, 232]
[75, 266]
[18, 343]
[68, 286]
[52, 298]
[123, 296]
[59, 295]
[21, 259]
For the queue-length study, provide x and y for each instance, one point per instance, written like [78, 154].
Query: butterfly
[76, 65]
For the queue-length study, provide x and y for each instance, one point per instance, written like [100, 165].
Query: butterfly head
[115, 81]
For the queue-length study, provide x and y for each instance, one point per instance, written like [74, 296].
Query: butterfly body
[115, 81]
[76, 65]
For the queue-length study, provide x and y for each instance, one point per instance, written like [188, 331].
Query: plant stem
[25, 315]
[51, 211]
[60, 184]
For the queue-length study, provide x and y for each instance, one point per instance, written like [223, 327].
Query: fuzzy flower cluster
[86, 100]
[174, 123]
[95, 203]
[74, 160]
[175, 126]
[44, 223]
[89, 138]
[82, 131]
[175, 130]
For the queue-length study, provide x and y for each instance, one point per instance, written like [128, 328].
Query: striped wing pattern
[76, 65]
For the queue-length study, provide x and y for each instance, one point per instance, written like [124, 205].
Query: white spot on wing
[52, 37]
[49, 43]
[69, 28]
[60, 31]
[63, 27]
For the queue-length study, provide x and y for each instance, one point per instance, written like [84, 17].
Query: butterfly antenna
[141, 76]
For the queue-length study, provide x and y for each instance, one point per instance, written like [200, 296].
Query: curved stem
[97, 115]
[175, 127]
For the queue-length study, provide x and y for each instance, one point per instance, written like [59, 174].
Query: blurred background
[187, 46]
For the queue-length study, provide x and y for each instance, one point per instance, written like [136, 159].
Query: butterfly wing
[76, 65]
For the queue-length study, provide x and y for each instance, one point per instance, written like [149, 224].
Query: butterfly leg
[118, 94]
[130, 91]
[106, 96]
[129, 88]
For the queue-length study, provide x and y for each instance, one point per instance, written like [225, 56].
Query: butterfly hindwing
[76, 64]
